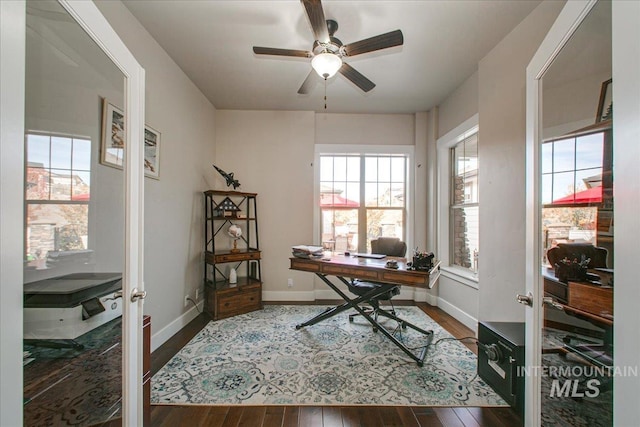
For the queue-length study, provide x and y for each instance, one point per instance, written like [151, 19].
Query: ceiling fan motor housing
[334, 46]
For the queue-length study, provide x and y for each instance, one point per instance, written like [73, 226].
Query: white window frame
[356, 149]
[60, 202]
[444, 145]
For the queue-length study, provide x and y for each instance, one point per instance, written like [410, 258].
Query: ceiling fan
[328, 52]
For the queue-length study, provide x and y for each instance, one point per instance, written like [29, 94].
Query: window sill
[461, 275]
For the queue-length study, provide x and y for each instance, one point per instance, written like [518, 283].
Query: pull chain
[325, 92]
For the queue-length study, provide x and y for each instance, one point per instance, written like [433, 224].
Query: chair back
[390, 246]
[573, 251]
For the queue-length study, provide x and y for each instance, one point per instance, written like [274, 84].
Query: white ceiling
[443, 41]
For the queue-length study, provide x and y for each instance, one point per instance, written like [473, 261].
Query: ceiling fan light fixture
[326, 64]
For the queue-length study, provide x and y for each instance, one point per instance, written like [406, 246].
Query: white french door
[74, 37]
[569, 352]
[91, 20]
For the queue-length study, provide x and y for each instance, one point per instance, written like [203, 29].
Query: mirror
[73, 227]
[577, 258]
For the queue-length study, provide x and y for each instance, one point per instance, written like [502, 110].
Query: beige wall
[497, 93]
[174, 204]
[459, 106]
[501, 151]
[366, 129]
[271, 153]
[571, 106]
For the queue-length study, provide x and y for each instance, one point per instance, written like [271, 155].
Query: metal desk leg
[353, 303]
[332, 311]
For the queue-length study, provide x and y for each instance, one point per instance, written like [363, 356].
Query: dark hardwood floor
[323, 416]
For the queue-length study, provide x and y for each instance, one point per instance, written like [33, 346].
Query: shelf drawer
[240, 256]
[234, 303]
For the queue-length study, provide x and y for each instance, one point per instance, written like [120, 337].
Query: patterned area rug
[260, 358]
[585, 411]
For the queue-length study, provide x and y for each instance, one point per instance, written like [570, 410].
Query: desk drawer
[305, 264]
[402, 278]
[360, 273]
[590, 298]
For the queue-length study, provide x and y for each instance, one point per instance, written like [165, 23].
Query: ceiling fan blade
[383, 41]
[316, 19]
[281, 52]
[358, 79]
[308, 83]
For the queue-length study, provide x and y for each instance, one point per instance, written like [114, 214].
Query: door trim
[12, 81]
[561, 31]
[95, 24]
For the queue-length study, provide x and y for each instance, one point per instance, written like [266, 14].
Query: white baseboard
[422, 295]
[172, 328]
[461, 316]
[289, 295]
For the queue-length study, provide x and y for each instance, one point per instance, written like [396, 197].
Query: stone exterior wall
[461, 252]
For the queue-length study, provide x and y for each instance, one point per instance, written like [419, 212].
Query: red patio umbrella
[590, 195]
[81, 197]
[335, 200]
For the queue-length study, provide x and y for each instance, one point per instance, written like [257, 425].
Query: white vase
[233, 277]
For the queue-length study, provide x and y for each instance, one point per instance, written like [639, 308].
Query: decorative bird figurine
[228, 177]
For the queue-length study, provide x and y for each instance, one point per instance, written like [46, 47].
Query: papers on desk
[306, 251]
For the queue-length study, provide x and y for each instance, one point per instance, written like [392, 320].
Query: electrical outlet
[290, 283]
[197, 294]
[186, 300]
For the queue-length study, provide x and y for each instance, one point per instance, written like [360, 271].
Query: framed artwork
[112, 147]
[151, 152]
[605, 105]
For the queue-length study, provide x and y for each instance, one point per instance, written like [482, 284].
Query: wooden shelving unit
[222, 298]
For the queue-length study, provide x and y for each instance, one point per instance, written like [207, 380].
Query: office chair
[597, 255]
[390, 246]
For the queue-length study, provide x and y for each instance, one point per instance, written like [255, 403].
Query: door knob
[525, 299]
[552, 303]
[136, 295]
[115, 296]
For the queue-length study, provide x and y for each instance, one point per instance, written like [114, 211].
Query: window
[362, 195]
[57, 193]
[463, 216]
[572, 188]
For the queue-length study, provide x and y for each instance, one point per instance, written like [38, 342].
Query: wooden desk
[588, 301]
[368, 269]
[374, 270]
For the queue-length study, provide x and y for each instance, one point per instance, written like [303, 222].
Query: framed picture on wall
[605, 104]
[151, 152]
[112, 147]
